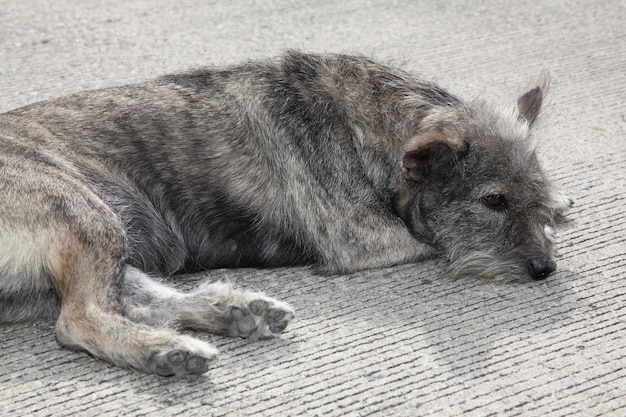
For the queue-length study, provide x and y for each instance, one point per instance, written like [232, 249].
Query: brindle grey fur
[331, 160]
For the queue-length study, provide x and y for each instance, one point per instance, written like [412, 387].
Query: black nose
[540, 267]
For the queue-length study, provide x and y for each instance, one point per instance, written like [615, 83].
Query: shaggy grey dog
[330, 160]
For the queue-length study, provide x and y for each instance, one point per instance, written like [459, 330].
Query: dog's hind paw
[259, 317]
[191, 357]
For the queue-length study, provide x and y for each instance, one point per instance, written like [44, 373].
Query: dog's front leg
[213, 307]
[366, 239]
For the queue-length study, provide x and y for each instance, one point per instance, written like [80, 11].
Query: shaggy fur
[330, 160]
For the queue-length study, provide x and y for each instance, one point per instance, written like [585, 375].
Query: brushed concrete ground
[399, 341]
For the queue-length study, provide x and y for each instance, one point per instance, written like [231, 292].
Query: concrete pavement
[400, 341]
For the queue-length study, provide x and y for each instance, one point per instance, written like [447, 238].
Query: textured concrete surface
[394, 342]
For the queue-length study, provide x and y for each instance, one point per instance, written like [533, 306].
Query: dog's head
[479, 193]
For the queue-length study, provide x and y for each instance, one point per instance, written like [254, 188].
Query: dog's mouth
[486, 266]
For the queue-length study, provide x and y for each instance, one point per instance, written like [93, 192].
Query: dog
[329, 160]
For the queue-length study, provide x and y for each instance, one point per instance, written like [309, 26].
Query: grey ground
[394, 342]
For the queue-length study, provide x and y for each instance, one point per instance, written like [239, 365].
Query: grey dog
[331, 160]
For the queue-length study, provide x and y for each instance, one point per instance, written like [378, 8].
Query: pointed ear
[530, 103]
[431, 154]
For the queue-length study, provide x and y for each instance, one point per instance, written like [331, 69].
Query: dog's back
[181, 166]
[214, 168]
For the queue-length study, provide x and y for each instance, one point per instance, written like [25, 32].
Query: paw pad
[260, 319]
[179, 362]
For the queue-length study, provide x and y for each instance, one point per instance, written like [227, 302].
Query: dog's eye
[496, 202]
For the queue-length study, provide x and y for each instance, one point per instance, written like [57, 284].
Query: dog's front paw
[259, 317]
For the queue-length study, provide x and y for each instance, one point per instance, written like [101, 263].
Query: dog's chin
[484, 266]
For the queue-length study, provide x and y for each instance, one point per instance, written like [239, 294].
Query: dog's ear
[529, 104]
[431, 154]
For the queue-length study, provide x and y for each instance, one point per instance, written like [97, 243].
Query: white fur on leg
[213, 307]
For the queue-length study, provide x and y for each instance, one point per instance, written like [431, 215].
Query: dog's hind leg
[91, 319]
[57, 235]
[214, 307]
